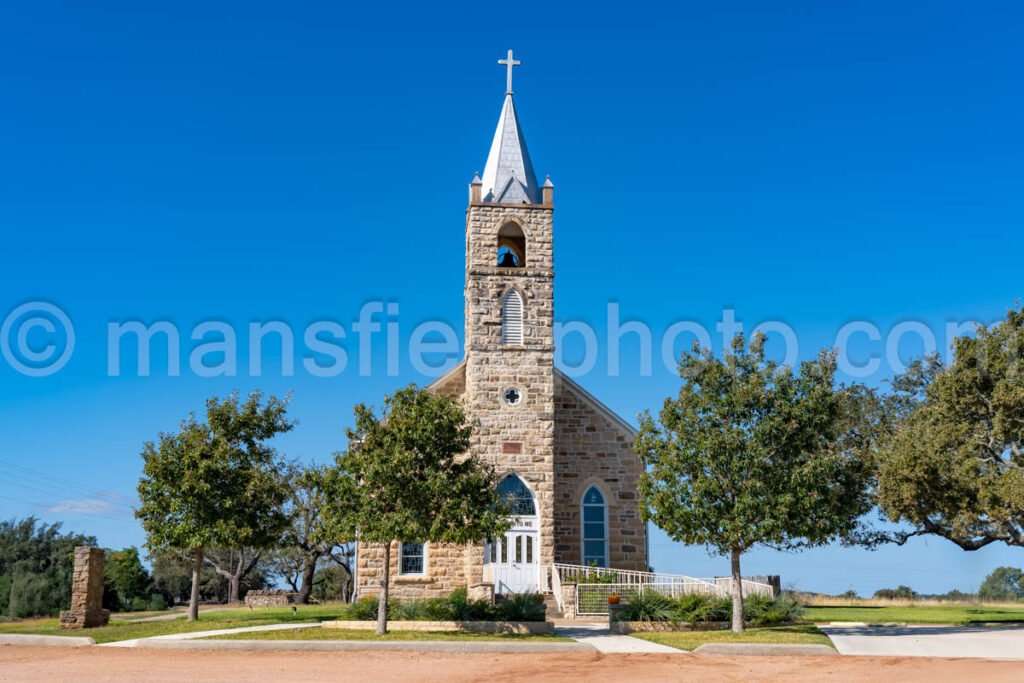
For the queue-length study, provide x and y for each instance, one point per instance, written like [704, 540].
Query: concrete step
[552, 607]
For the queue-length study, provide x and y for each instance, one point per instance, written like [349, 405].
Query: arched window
[511, 246]
[512, 318]
[517, 494]
[595, 527]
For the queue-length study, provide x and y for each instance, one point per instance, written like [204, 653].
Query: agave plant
[648, 606]
[522, 607]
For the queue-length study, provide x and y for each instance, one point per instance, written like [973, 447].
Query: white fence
[595, 584]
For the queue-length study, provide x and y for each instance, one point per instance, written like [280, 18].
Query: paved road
[928, 641]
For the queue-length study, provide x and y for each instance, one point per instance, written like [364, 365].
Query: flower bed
[457, 607]
[694, 611]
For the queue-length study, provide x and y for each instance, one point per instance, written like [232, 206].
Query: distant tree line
[35, 567]
[1003, 584]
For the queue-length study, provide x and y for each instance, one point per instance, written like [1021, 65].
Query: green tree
[954, 463]
[407, 475]
[215, 483]
[36, 564]
[303, 550]
[752, 453]
[1004, 583]
[125, 578]
[333, 582]
[239, 568]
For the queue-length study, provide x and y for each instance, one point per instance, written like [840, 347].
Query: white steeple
[508, 175]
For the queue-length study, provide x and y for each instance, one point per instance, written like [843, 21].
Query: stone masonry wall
[86, 591]
[591, 449]
[445, 570]
[493, 367]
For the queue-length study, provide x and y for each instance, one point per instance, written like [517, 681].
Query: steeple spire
[508, 175]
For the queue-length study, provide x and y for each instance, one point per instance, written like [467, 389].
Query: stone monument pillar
[86, 591]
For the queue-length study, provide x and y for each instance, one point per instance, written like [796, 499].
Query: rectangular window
[412, 558]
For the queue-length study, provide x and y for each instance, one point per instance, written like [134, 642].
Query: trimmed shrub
[362, 610]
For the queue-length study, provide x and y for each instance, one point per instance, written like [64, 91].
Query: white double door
[515, 561]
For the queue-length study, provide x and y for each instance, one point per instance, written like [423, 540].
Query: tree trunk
[307, 581]
[197, 568]
[234, 583]
[737, 592]
[382, 604]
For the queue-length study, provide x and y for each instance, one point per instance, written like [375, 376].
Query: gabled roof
[508, 174]
[590, 399]
[458, 372]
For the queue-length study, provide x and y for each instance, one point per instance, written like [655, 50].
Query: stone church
[566, 459]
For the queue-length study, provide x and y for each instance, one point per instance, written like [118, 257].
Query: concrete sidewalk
[598, 637]
[146, 642]
[982, 642]
[195, 641]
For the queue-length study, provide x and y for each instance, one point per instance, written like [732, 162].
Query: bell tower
[509, 316]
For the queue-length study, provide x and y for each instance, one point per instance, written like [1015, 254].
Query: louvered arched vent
[512, 318]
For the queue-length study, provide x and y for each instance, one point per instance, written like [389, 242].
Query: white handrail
[721, 586]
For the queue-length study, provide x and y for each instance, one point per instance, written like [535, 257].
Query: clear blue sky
[810, 163]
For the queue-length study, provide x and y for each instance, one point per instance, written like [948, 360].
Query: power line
[25, 477]
[124, 507]
[87, 514]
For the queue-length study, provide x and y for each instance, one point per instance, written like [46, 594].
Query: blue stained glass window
[595, 528]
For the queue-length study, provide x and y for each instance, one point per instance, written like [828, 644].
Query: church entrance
[515, 557]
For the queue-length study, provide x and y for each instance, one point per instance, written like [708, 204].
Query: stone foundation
[86, 591]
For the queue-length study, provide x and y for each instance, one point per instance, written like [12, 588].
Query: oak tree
[954, 464]
[408, 476]
[753, 453]
[215, 483]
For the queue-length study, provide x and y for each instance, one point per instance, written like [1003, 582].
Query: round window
[513, 396]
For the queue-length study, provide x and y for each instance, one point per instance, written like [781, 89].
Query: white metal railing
[580, 574]
[595, 584]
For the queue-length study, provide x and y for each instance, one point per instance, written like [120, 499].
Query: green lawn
[917, 614]
[803, 634]
[124, 630]
[353, 634]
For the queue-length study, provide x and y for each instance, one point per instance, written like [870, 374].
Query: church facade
[566, 460]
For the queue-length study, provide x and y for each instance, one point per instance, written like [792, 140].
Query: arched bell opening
[511, 246]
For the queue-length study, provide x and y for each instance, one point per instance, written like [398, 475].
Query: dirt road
[25, 664]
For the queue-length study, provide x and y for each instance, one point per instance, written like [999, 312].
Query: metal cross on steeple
[509, 63]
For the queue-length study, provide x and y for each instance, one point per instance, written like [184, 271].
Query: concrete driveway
[986, 642]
